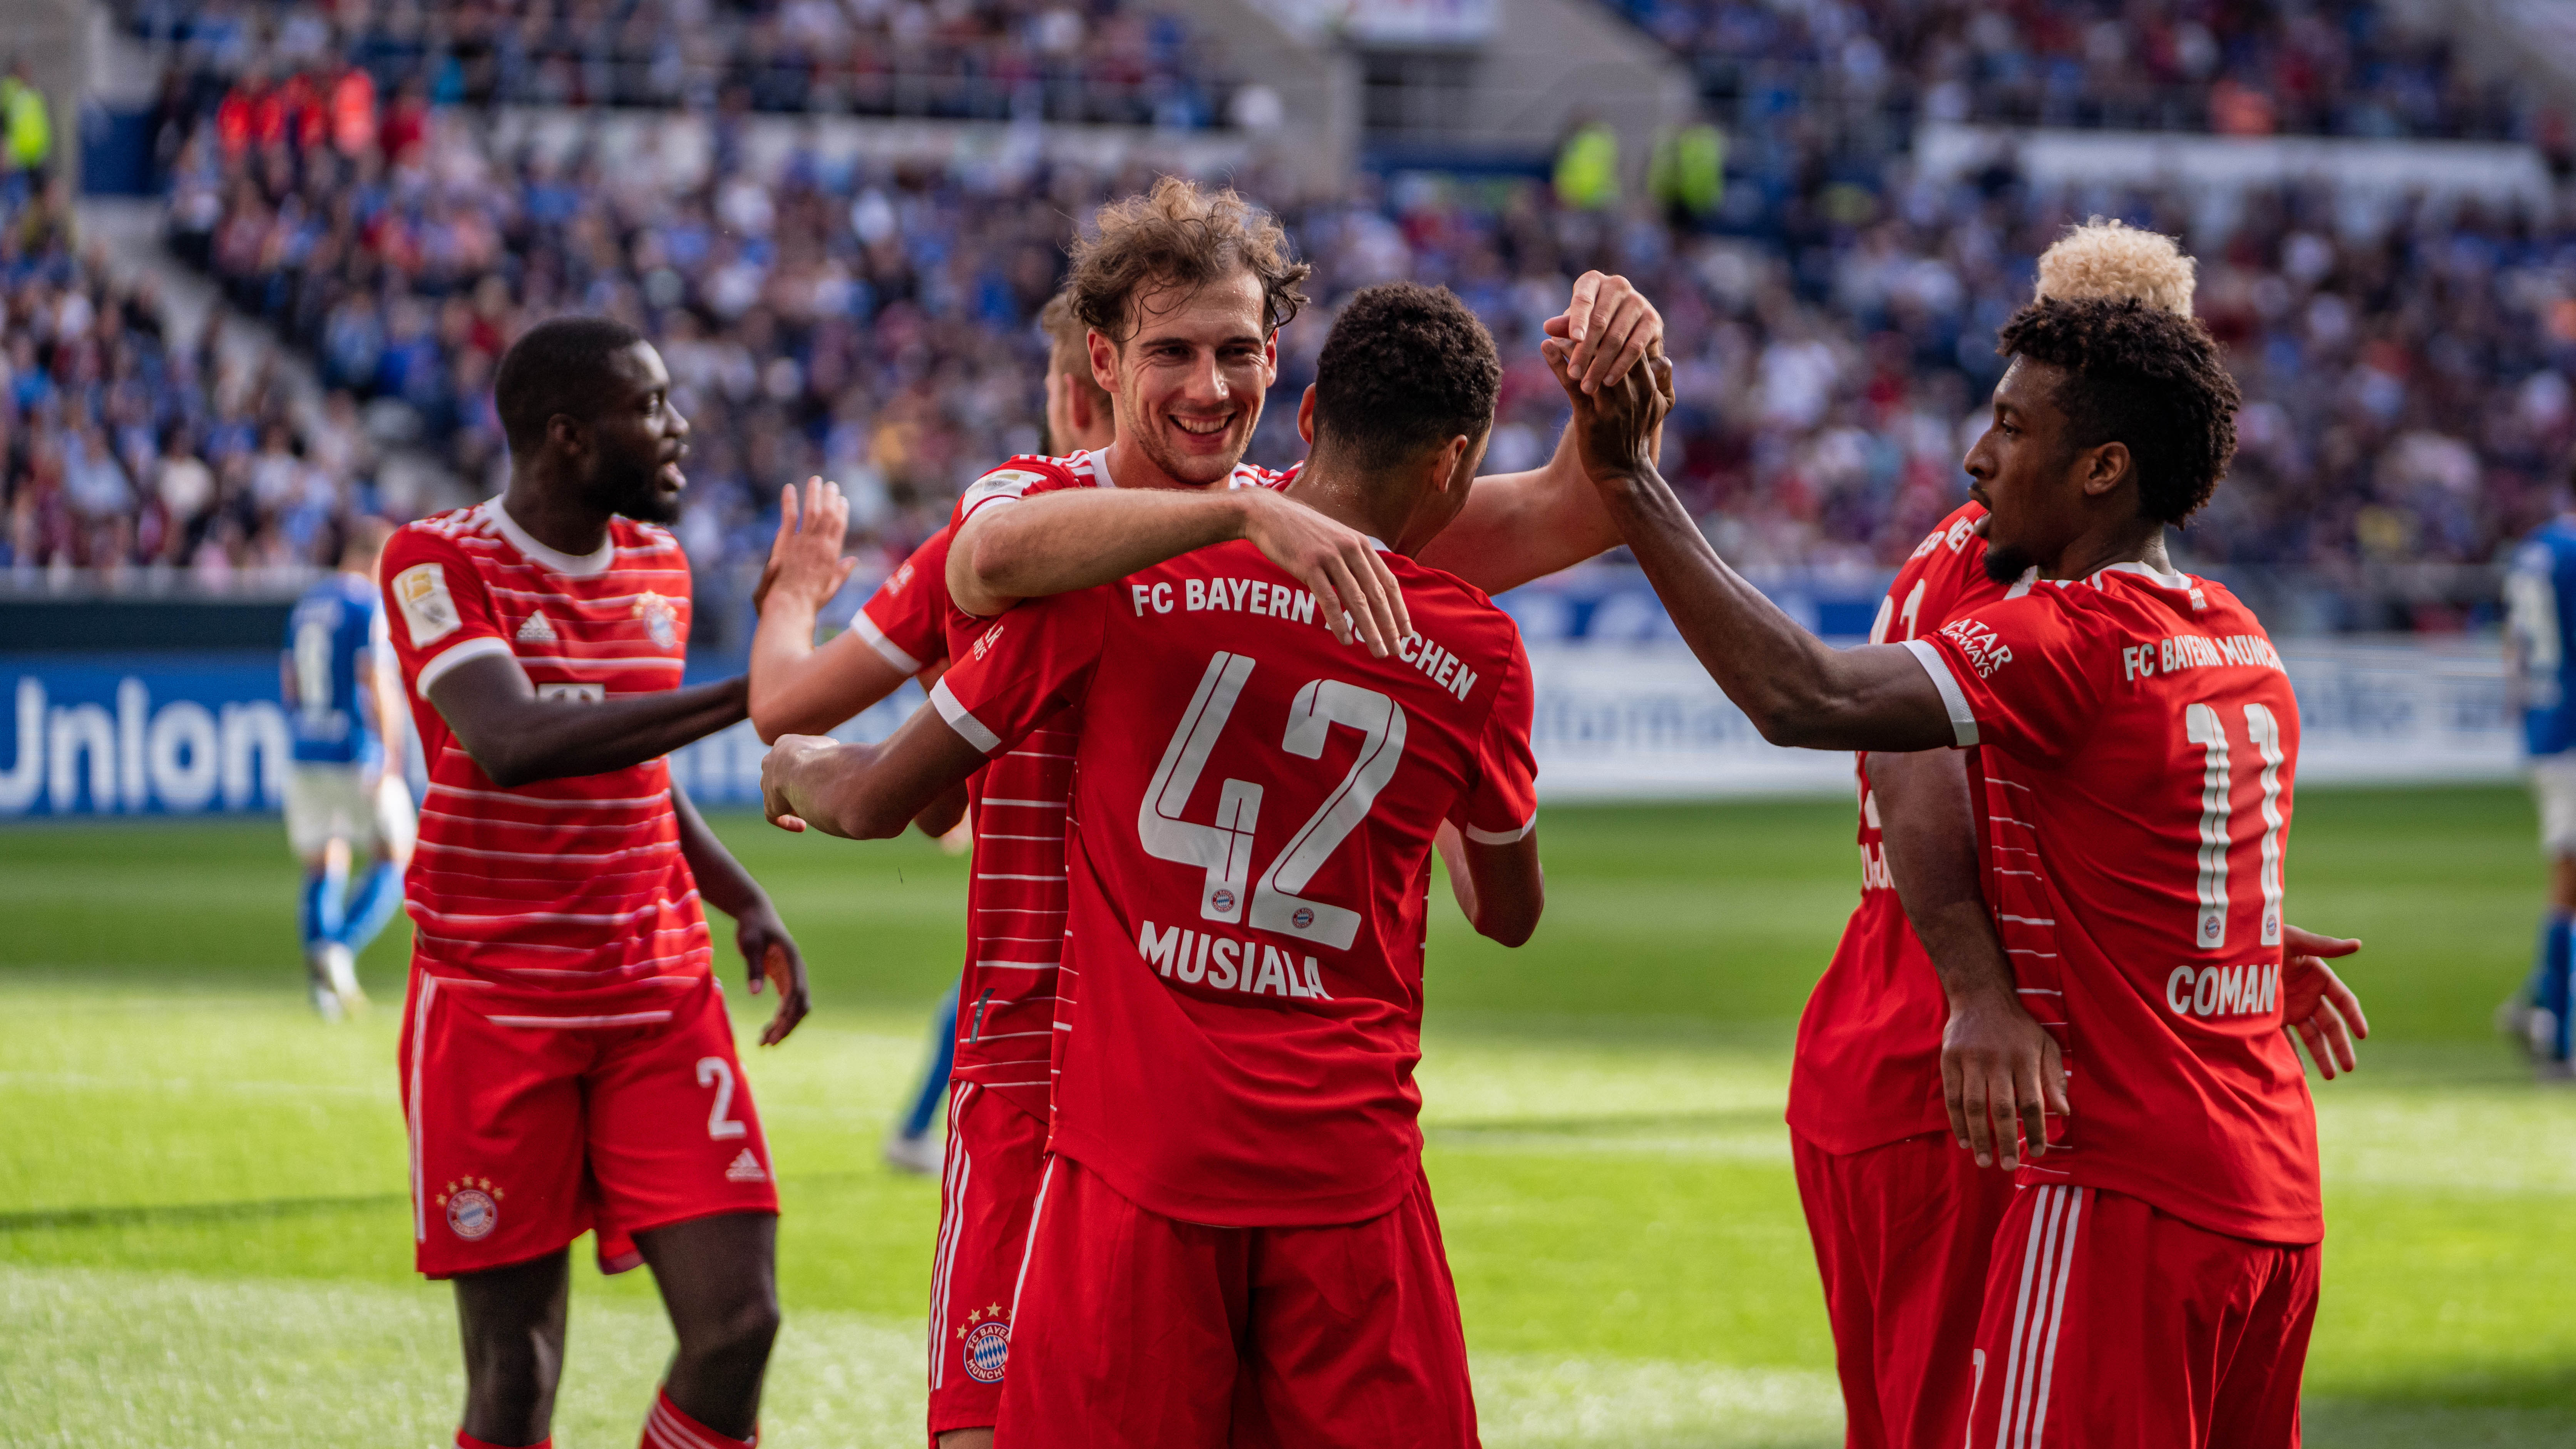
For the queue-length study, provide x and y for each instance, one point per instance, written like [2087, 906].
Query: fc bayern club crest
[473, 1207]
[987, 1343]
[660, 619]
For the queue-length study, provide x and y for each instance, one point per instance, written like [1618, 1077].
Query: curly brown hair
[1406, 367]
[2140, 375]
[1180, 235]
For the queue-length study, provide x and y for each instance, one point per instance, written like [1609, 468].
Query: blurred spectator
[25, 126]
[120, 449]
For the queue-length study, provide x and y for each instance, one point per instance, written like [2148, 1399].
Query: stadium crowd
[126, 447]
[2234, 67]
[874, 324]
[2407, 374]
[1098, 61]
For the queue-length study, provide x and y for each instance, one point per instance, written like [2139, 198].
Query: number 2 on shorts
[718, 1073]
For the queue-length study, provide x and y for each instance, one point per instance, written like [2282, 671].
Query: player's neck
[1326, 489]
[2093, 552]
[555, 516]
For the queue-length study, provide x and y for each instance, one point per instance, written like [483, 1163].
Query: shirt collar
[553, 560]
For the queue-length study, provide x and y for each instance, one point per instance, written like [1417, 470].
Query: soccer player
[567, 1062]
[2137, 742]
[1147, 254]
[2538, 589]
[1234, 1241]
[1913, 1067]
[345, 796]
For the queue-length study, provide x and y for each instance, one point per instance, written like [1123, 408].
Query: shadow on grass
[1607, 1125]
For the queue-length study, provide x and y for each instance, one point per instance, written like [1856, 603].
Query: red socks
[670, 1427]
[468, 1441]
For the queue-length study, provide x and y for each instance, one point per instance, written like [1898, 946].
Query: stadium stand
[130, 451]
[2406, 366]
[1093, 61]
[2233, 67]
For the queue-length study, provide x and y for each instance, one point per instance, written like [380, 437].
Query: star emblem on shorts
[454, 1184]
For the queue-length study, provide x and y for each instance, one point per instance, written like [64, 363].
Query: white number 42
[1224, 849]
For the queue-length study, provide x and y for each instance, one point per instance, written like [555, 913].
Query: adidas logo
[538, 630]
[746, 1168]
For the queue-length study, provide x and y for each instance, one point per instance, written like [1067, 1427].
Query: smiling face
[2040, 489]
[1189, 378]
[637, 439]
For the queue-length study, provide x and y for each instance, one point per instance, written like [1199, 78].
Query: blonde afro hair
[2111, 260]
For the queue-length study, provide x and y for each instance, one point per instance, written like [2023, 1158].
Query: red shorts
[2111, 1325]
[1140, 1330]
[1902, 1232]
[989, 1182]
[523, 1138]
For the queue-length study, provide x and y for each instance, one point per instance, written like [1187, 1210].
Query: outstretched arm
[862, 791]
[1522, 526]
[1795, 689]
[518, 738]
[757, 932]
[795, 687]
[1055, 543]
[1999, 1067]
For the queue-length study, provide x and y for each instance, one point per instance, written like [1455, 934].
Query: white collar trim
[2169, 578]
[584, 566]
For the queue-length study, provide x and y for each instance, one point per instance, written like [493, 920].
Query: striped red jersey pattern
[1868, 1064]
[1017, 804]
[565, 902]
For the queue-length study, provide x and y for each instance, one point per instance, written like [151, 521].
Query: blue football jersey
[2540, 610]
[335, 641]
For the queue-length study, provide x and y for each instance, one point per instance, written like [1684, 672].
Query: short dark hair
[558, 366]
[2143, 376]
[1179, 234]
[1406, 367]
[1068, 345]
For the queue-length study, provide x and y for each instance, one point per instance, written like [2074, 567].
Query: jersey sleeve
[436, 607]
[1037, 658]
[2018, 673]
[1017, 479]
[1500, 804]
[906, 619]
[1944, 569]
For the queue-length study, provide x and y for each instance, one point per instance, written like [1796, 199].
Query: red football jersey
[1868, 1063]
[1028, 475]
[565, 902]
[1016, 809]
[1241, 992]
[2138, 738]
[906, 619]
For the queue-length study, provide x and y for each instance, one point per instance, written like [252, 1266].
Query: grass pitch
[204, 1236]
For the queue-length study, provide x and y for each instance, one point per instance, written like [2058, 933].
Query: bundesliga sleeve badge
[987, 1347]
[427, 606]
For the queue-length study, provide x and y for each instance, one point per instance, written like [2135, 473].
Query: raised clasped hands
[1608, 324]
[1616, 429]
